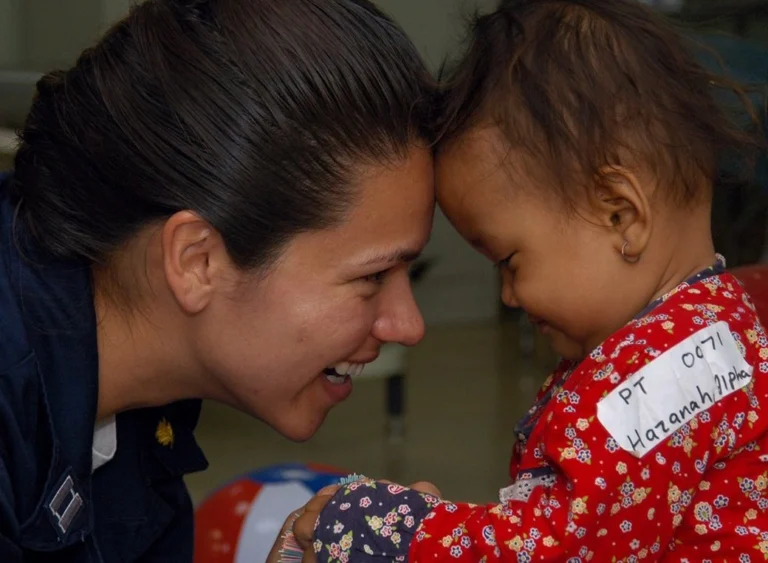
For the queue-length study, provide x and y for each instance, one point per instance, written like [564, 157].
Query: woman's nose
[399, 319]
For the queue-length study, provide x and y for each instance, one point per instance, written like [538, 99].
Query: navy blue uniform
[52, 507]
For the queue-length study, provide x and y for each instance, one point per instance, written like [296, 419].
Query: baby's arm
[604, 503]
[600, 502]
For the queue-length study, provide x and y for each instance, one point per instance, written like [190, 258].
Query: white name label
[671, 390]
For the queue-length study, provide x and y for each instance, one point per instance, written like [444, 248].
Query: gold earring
[628, 259]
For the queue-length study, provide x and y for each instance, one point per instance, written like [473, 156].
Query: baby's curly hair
[581, 84]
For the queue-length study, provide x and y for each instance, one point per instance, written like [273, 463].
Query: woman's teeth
[336, 379]
[339, 373]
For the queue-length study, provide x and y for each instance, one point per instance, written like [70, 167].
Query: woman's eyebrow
[397, 255]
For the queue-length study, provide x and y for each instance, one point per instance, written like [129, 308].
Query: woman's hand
[274, 554]
[321, 499]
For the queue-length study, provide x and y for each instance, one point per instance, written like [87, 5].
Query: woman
[218, 201]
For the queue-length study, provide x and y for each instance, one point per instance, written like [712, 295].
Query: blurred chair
[392, 366]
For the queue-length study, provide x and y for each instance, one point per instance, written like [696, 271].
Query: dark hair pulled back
[255, 114]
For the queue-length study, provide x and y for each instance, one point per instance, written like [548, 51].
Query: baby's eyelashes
[505, 262]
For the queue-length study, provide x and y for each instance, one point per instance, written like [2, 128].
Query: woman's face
[332, 299]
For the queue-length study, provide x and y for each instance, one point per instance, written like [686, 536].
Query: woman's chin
[299, 419]
[299, 429]
[300, 422]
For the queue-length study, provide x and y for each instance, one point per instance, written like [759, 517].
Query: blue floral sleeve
[367, 520]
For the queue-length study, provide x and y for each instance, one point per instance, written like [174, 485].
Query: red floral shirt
[652, 449]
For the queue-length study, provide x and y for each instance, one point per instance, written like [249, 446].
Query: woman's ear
[190, 257]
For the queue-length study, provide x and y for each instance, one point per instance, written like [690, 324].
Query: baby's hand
[304, 526]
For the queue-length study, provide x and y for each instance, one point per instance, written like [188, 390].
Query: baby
[580, 144]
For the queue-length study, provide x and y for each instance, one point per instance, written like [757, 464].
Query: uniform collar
[56, 304]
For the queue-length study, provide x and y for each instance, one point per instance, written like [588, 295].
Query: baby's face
[561, 267]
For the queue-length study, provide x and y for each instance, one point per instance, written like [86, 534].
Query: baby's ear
[620, 203]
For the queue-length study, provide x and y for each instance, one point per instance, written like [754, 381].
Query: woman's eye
[377, 278]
